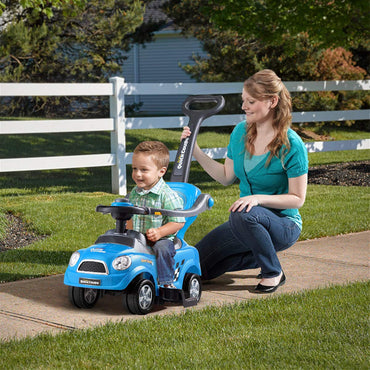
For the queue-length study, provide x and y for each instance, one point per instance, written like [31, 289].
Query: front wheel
[192, 286]
[140, 298]
[83, 297]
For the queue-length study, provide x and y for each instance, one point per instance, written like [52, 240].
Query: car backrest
[189, 193]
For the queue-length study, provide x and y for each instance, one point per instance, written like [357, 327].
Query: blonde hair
[264, 85]
[157, 150]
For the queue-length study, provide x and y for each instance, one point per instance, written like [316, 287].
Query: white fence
[117, 89]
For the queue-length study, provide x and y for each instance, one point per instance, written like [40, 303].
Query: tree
[232, 56]
[331, 23]
[42, 6]
[67, 41]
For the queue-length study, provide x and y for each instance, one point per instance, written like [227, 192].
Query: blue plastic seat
[189, 193]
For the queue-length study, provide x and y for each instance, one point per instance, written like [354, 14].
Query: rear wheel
[192, 286]
[140, 297]
[83, 297]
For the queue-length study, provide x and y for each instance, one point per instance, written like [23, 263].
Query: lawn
[61, 203]
[325, 328]
[320, 329]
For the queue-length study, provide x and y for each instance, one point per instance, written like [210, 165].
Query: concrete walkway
[30, 307]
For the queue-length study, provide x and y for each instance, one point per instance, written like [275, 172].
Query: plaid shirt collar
[156, 189]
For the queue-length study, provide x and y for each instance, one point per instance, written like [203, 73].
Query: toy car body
[120, 261]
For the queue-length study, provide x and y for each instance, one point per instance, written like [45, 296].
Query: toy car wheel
[124, 301]
[140, 299]
[192, 286]
[83, 297]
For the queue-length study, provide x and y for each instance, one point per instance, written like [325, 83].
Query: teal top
[255, 178]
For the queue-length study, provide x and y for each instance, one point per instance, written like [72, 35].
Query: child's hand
[153, 235]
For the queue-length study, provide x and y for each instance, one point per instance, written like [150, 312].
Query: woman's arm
[295, 197]
[223, 173]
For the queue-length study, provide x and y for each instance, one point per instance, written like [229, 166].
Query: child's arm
[167, 229]
[129, 225]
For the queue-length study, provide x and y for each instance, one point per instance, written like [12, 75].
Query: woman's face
[257, 111]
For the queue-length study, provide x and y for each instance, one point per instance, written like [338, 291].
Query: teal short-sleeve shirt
[274, 178]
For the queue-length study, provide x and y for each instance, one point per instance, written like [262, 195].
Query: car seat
[188, 193]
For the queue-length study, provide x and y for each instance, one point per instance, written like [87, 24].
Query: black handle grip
[181, 168]
[205, 113]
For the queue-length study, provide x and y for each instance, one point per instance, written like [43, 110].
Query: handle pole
[181, 168]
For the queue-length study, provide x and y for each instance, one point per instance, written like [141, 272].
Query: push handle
[205, 113]
[181, 168]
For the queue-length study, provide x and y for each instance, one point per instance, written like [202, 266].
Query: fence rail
[117, 89]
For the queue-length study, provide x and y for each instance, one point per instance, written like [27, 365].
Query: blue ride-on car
[121, 262]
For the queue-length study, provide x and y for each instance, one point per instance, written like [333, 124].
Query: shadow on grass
[56, 181]
[8, 277]
[29, 256]
[97, 179]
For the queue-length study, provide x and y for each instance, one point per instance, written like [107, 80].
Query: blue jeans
[164, 250]
[247, 241]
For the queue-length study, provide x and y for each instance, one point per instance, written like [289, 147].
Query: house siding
[159, 62]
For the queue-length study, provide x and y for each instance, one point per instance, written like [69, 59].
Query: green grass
[324, 328]
[61, 203]
[338, 157]
[319, 329]
[340, 132]
[71, 222]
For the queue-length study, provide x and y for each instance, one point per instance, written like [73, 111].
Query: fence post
[118, 138]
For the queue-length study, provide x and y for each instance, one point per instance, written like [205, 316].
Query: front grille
[93, 267]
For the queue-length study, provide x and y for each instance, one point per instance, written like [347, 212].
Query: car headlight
[121, 263]
[74, 258]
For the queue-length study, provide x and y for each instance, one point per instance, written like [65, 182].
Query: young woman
[270, 160]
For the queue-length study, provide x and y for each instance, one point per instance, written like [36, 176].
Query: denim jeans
[164, 250]
[247, 241]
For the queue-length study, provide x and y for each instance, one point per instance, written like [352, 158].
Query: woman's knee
[238, 218]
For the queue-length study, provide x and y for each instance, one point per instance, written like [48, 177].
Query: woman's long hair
[263, 85]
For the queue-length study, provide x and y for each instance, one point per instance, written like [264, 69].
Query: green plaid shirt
[159, 196]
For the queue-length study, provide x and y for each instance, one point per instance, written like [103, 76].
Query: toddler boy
[149, 164]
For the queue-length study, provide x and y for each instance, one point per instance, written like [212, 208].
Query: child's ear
[162, 171]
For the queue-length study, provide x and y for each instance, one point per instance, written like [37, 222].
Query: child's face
[145, 172]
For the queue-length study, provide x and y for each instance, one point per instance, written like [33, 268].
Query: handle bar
[181, 169]
[126, 210]
[205, 113]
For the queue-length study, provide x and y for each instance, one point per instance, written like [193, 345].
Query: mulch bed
[342, 174]
[18, 234]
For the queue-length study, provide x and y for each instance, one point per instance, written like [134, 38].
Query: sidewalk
[30, 307]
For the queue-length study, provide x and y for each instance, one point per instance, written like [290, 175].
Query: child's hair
[158, 151]
[263, 85]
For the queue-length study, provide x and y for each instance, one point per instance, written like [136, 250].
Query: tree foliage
[67, 41]
[331, 23]
[233, 55]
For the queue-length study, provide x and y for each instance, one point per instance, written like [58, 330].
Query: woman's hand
[185, 132]
[248, 201]
[293, 199]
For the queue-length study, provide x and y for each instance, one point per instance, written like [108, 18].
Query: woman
[270, 160]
